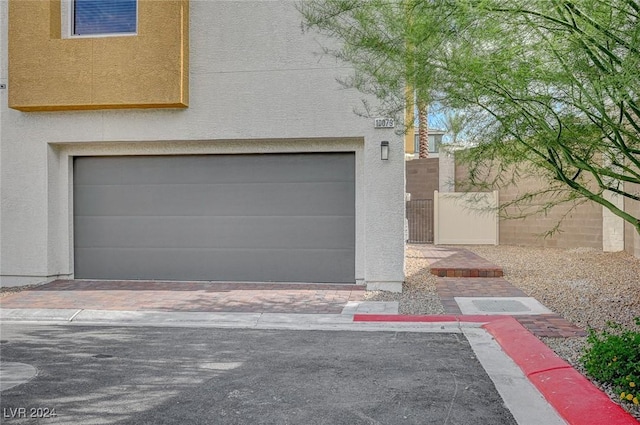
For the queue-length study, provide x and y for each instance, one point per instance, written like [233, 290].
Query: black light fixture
[384, 150]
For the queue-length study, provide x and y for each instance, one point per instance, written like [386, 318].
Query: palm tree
[423, 129]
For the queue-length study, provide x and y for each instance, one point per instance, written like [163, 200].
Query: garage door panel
[203, 232]
[228, 169]
[275, 217]
[290, 199]
[217, 264]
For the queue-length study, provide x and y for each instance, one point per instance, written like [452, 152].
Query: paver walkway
[477, 277]
[187, 296]
[463, 274]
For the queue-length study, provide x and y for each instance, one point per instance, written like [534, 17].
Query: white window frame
[67, 11]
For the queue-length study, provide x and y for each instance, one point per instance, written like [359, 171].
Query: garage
[245, 218]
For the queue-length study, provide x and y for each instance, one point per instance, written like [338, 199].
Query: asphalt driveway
[140, 375]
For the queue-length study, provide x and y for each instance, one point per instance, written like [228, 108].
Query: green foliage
[613, 356]
[552, 86]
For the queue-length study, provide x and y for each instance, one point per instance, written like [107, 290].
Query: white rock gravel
[8, 290]
[419, 294]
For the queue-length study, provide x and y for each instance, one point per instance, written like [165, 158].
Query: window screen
[91, 17]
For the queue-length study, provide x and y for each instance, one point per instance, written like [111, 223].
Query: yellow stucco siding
[409, 117]
[409, 140]
[49, 72]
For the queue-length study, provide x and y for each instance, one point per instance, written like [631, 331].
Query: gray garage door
[276, 217]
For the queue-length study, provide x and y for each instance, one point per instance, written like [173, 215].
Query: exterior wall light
[384, 150]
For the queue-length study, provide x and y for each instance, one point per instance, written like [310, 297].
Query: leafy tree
[454, 123]
[552, 86]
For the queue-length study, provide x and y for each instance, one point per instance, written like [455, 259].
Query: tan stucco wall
[48, 72]
[581, 228]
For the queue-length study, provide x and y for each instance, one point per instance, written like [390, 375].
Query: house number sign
[384, 123]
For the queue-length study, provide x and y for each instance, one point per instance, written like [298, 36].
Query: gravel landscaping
[586, 286]
[8, 290]
[419, 294]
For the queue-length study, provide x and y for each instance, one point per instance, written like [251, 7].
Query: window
[103, 17]
[434, 142]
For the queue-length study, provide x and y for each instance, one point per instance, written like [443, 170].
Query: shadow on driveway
[120, 375]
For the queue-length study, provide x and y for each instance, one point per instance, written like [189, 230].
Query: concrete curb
[525, 402]
[572, 395]
[217, 320]
[39, 314]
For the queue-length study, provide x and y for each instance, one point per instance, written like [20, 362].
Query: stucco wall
[631, 236]
[49, 71]
[257, 85]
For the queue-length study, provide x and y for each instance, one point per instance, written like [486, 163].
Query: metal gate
[420, 218]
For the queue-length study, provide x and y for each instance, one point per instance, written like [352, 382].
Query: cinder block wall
[422, 177]
[581, 228]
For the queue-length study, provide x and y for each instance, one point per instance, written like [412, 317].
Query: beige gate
[466, 218]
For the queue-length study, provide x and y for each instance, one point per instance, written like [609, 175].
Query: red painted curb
[531, 354]
[577, 400]
[573, 396]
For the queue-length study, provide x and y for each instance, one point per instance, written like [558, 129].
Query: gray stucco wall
[258, 84]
